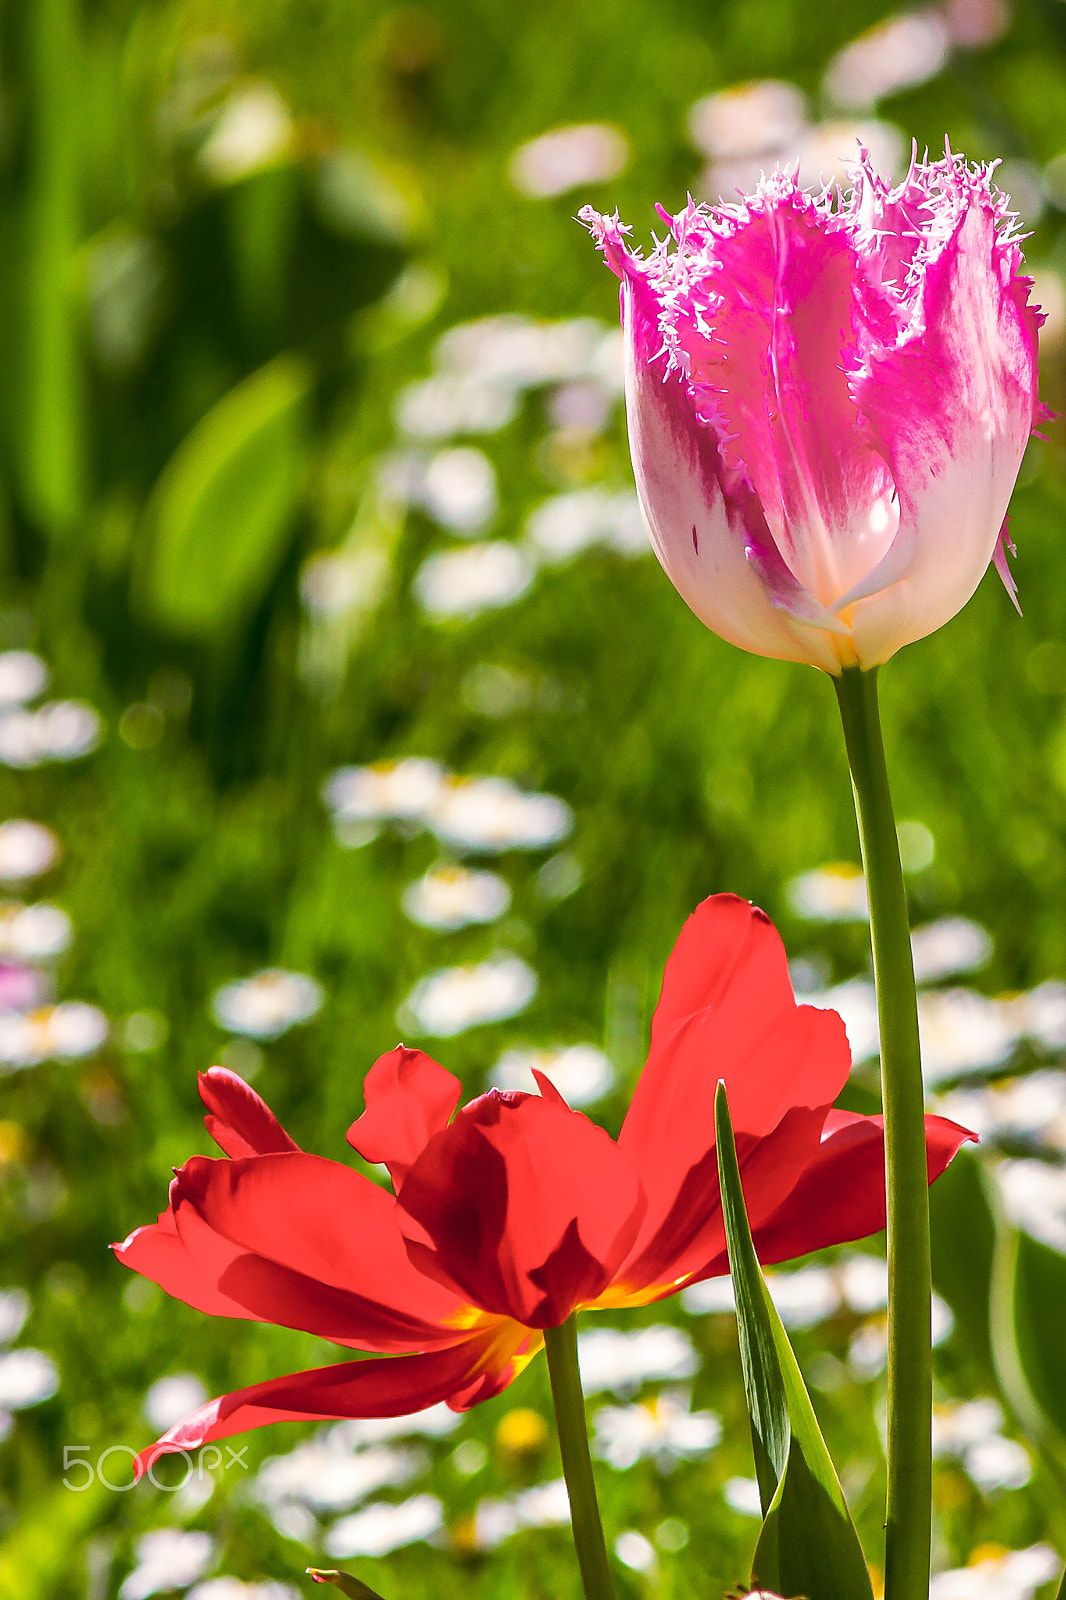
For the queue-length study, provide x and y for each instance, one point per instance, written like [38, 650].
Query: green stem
[53, 459]
[910, 1368]
[561, 1346]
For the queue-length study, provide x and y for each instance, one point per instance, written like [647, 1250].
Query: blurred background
[341, 699]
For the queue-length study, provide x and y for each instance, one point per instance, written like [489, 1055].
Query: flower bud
[829, 397]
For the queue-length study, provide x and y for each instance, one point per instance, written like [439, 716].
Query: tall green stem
[561, 1346]
[910, 1370]
[53, 456]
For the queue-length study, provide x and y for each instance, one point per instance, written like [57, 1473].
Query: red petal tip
[548, 1089]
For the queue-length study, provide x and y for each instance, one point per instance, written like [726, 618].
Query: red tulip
[517, 1210]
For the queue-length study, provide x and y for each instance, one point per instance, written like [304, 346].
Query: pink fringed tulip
[829, 398]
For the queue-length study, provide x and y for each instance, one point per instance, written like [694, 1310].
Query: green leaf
[808, 1544]
[226, 499]
[1039, 1317]
[1028, 1308]
[345, 1583]
[963, 1237]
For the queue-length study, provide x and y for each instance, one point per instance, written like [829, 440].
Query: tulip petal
[841, 1194]
[692, 1233]
[952, 406]
[409, 1097]
[548, 1089]
[528, 1206]
[278, 1294]
[158, 1252]
[780, 326]
[240, 1122]
[192, 1262]
[999, 560]
[726, 1011]
[788, 594]
[466, 1373]
[321, 1221]
[698, 533]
